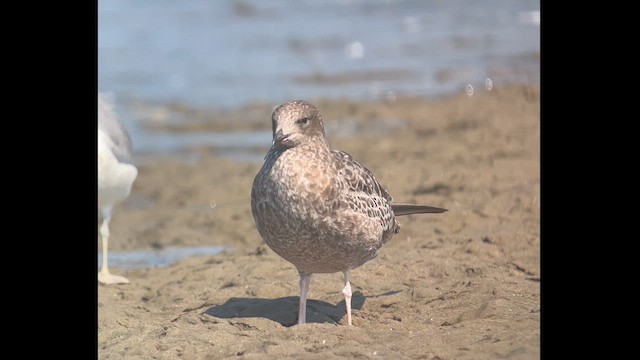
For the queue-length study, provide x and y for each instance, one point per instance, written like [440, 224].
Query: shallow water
[155, 258]
[167, 143]
[229, 53]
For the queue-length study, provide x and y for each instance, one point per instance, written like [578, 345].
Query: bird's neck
[316, 143]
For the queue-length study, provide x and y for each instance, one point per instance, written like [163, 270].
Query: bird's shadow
[285, 310]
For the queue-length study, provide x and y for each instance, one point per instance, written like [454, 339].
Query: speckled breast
[299, 213]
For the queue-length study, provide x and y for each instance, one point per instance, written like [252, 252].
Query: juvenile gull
[318, 208]
[116, 174]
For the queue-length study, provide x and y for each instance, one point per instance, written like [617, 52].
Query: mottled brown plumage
[318, 208]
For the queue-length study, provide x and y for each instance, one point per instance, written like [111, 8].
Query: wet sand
[460, 285]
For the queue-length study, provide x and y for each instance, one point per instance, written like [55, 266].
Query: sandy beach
[460, 285]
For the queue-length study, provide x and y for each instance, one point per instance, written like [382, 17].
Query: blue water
[155, 258]
[229, 53]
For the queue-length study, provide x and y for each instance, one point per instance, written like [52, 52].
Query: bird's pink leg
[304, 290]
[347, 295]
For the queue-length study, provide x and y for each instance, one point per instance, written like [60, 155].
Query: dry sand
[460, 285]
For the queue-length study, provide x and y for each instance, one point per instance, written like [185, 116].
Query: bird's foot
[109, 279]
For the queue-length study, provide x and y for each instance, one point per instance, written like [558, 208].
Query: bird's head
[295, 123]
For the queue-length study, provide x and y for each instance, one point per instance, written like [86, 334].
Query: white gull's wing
[119, 142]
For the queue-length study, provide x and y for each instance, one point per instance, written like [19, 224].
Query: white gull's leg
[104, 276]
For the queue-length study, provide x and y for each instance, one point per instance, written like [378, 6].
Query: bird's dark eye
[303, 121]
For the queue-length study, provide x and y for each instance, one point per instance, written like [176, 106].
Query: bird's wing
[109, 123]
[357, 177]
[360, 180]
[363, 193]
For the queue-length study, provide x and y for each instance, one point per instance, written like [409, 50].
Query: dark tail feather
[408, 209]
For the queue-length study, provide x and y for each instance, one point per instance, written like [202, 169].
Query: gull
[116, 174]
[318, 208]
